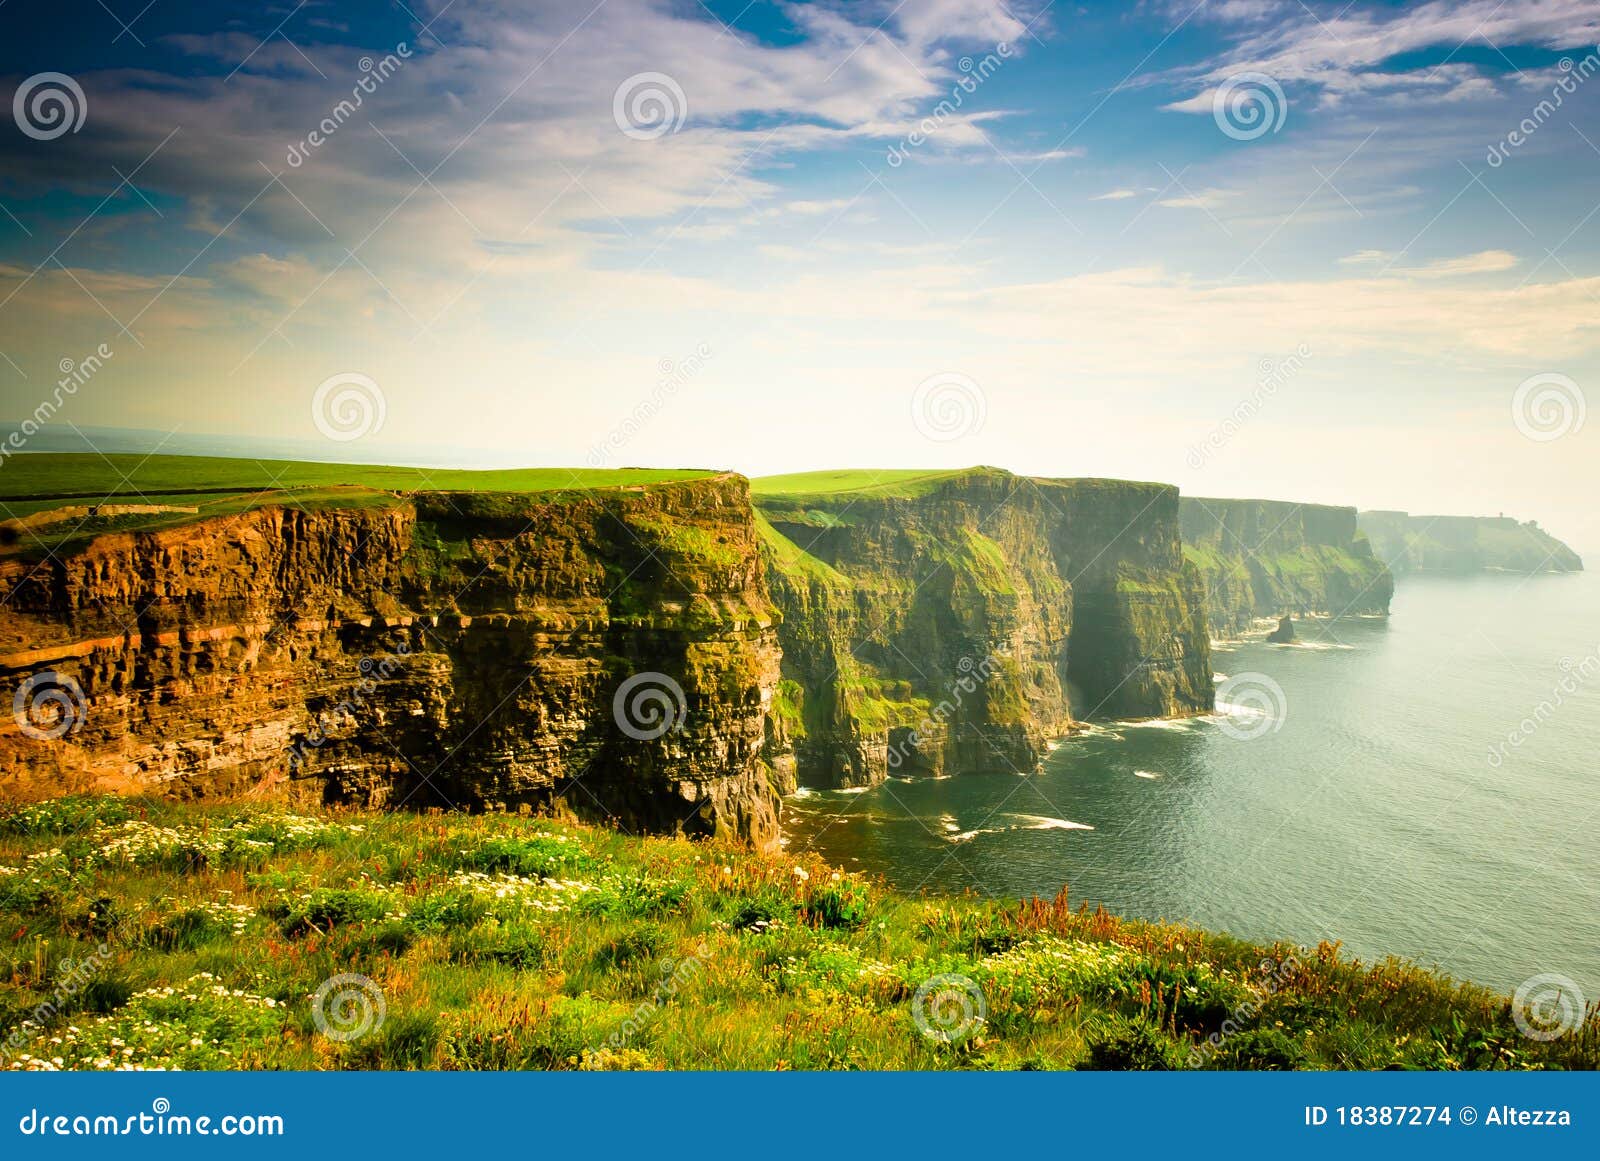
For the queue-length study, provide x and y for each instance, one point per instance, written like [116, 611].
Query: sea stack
[1284, 633]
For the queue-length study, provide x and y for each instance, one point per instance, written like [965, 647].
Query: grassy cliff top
[96, 477]
[882, 483]
[163, 491]
[501, 942]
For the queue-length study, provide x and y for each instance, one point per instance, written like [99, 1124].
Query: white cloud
[1484, 262]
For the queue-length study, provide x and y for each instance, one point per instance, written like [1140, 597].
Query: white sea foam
[1027, 822]
[1042, 822]
[1145, 774]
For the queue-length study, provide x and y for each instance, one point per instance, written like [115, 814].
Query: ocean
[1424, 786]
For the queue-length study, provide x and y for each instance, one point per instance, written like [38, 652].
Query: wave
[1160, 724]
[1029, 822]
[1145, 774]
[1235, 710]
[1043, 822]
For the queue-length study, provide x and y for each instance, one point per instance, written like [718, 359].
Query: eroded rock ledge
[445, 648]
[956, 628]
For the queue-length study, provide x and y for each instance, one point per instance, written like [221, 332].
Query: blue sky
[1075, 263]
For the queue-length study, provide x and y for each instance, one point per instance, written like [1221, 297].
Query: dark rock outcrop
[1284, 633]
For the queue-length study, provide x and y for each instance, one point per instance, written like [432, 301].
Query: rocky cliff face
[955, 629]
[1465, 544]
[1268, 558]
[613, 652]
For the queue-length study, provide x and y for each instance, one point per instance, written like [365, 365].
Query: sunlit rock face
[440, 649]
[957, 629]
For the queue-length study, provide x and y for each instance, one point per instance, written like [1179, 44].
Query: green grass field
[904, 483]
[32, 484]
[142, 934]
[31, 477]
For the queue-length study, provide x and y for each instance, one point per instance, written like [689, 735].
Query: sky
[1333, 252]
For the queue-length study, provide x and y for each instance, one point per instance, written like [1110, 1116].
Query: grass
[151, 934]
[215, 486]
[896, 483]
[96, 477]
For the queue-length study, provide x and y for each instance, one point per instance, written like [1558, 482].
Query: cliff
[953, 622]
[611, 652]
[1267, 558]
[1465, 544]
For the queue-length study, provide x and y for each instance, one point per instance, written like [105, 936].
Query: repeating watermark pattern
[949, 406]
[1251, 706]
[972, 677]
[1547, 406]
[348, 1006]
[972, 74]
[1548, 1006]
[49, 705]
[74, 374]
[674, 977]
[348, 405]
[649, 105]
[373, 74]
[1576, 674]
[1279, 974]
[49, 105]
[648, 706]
[949, 1008]
[1249, 105]
[72, 977]
[373, 670]
[675, 375]
[1573, 75]
[1273, 375]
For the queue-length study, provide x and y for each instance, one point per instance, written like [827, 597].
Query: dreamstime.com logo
[1249, 105]
[948, 1008]
[348, 405]
[1548, 406]
[1548, 1006]
[160, 1121]
[971, 74]
[649, 705]
[649, 105]
[49, 706]
[348, 1006]
[1251, 706]
[948, 406]
[972, 677]
[675, 373]
[1273, 375]
[49, 105]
